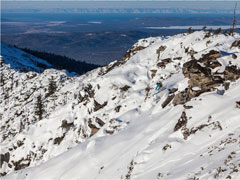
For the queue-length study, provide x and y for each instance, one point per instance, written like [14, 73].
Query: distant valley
[95, 38]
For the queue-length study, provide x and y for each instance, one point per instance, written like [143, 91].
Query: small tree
[1, 79]
[51, 87]
[217, 31]
[190, 30]
[39, 110]
[210, 30]
[234, 20]
[1, 74]
[225, 32]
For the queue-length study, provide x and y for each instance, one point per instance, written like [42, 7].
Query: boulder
[98, 106]
[164, 62]
[4, 158]
[188, 94]
[234, 56]
[231, 73]
[197, 74]
[159, 50]
[117, 109]
[153, 73]
[181, 98]
[168, 100]
[236, 44]
[181, 122]
[100, 122]
[173, 90]
[238, 104]
[177, 58]
[125, 88]
[210, 59]
[192, 52]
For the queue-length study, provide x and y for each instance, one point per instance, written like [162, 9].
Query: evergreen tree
[190, 30]
[217, 31]
[204, 27]
[62, 62]
[51, 87]
[234, 20]
[39, 109]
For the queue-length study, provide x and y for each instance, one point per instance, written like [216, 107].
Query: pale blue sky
[211, 4]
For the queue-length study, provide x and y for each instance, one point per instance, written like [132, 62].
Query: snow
[138, 142]
[19, 59]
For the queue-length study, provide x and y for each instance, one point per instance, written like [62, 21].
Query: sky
[211, 4]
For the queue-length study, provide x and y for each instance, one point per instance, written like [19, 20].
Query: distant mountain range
[120, 10]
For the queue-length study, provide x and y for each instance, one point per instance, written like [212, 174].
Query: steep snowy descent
[108, 125]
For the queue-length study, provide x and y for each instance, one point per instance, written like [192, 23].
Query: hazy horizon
[200, 6]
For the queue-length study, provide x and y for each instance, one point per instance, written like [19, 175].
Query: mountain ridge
[110, 123]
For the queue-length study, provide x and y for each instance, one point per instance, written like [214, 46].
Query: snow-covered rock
[111, 123]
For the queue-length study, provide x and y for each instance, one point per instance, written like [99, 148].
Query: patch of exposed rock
[201, 77]
[131, 52]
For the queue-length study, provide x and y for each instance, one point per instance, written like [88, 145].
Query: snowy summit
[111, 123]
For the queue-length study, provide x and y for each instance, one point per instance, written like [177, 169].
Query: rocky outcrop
[159, 50]
[4, 158]
[117, 109]
[94, 128]
[164, 62]
[153, 72]
[181, 122]
[200, 75]
[131, 52]
[236, 44]
[210, 59]
[125, 88]
[110, 67]
[98, 106]
[231, 73]
[238, 104]
[168, 100]
[182, 97]
[100, 122]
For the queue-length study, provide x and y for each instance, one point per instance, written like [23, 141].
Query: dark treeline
[62, 62]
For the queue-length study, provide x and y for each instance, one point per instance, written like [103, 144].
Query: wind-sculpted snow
[111, 123]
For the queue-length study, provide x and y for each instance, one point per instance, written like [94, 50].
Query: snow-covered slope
[111, 123]
[21, 60]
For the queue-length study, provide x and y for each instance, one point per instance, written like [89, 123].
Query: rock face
[198, 75]
[182, 97]
[238, 104]
[99, 106]
[131, 52]
[164, 62]
[4, 158]
[236, 44]
[181, 122]
[159, 50]
[231, 73]
[210, 59]
[168, 100]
